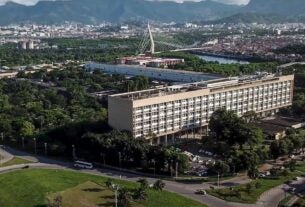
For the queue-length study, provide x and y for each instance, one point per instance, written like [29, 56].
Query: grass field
[89, 194]
[15, 161]
[30, 188]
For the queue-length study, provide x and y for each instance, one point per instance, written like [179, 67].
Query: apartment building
[170, 110]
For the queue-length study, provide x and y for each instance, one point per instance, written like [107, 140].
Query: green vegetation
[194, 63]
[237, 140]
[106, 50]
[56, 108]
[87, 194]
[293, 142]
[15, 161]
[15, 187]
[250, 193]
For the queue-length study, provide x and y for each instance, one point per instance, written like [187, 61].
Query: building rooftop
[213, 85]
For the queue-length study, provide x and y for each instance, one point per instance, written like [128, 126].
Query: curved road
[270, 198]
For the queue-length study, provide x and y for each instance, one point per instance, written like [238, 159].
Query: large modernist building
[170, 110]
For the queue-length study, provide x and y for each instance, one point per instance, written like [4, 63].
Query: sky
[30, 2]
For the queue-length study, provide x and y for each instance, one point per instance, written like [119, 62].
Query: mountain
[95, 11]
[280, 7]
[267, 11]
[250, 18]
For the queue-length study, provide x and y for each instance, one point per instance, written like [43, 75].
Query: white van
[82, 164]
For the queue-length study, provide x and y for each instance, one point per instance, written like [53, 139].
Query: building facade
[170, 110]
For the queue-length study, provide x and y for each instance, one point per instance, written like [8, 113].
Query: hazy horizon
[32, 2]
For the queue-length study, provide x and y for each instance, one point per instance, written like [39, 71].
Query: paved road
[6, 156]
[270, 198]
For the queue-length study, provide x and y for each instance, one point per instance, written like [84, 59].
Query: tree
[229, 128]
[220, 167]
[124, 197]
[253, 172]
[291, 164]
[27, 129]
[109, 183]
[140, 194]
[159, 185]
[250, 116]
[143, 184]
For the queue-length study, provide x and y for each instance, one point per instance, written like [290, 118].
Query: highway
[270, 198]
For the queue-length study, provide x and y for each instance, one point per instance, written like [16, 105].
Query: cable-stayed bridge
[158, 42]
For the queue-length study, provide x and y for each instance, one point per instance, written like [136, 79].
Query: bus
[82, 164]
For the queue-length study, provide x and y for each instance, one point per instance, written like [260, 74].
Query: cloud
[31, 2]
[26, 2]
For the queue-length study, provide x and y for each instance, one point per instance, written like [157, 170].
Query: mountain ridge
[97, 11]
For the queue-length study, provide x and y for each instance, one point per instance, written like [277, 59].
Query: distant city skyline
[31, 2]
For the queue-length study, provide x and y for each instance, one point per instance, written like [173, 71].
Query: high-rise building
[164, 112]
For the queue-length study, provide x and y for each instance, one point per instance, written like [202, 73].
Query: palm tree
[108, 183]
[140, 194]
[124, 197]
[143, 184]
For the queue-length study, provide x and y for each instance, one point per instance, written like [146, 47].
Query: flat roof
[214, 85]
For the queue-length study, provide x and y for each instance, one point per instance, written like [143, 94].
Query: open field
[30, 188]
[88, 194]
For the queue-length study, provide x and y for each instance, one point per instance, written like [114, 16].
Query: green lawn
[30, 187]
[88, 194]
[15, 161]
[253, 195]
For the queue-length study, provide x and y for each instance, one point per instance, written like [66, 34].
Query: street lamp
[22, 142]
[176, 169]
[153, 161]
[46, 149]
[104, 161]
[171, 168]
[218, 181]
[2, 138]
[120, 162]
[115, 188]
[35, 146]
[73, 152]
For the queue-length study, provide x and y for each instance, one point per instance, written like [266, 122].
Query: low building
[154, 73]
[276, 127]
[149, 61]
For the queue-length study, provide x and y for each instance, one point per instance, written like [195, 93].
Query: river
[222, 60]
